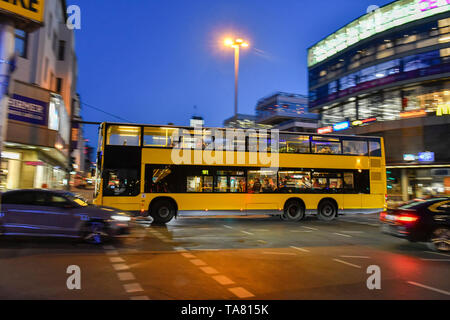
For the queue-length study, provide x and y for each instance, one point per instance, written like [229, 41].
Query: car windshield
[418, 202]
[77, 199]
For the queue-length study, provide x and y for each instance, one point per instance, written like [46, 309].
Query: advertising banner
[27, 110]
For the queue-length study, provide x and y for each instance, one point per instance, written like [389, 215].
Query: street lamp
[236, 44]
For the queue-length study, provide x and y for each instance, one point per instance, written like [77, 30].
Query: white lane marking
[261, 241]
[227, 226]
[429, 288]
[188, 255]
[300, 249]
[223, 280]
[116, 259]
[132, 287]
[280, 253]
[249, 233]
[209, 270]
[120, 266]
[108, 247]
[241, 293]
[301, 231]
[342, 235]
[126, 276]
[179, 249]
[355, 232]
[140, 298]
[438, 253]
[112, 252]
[355, 257]
[198, 262]
[347, 263]
[441, 260]
[309, 228]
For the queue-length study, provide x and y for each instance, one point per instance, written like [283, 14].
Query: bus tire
[327, 210]
[162, 211]
[294, 210]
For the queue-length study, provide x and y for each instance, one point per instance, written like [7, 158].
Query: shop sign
[443, 109]
[27, 110]
[447, 185]
[28, 9]
[409, 157]
[34, 163]
[325, 130]
[426, 157]
[341, 126]
[413, 114]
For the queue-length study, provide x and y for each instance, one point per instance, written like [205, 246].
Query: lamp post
[236, 44]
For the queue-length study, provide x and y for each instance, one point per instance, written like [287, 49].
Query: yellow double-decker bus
[165, 171]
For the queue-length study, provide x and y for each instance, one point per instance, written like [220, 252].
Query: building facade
[388, 74]
[280, 110]
[42, 98]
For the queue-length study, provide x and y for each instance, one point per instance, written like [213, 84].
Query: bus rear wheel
[327, 210]
[293, 211]
[162, 211]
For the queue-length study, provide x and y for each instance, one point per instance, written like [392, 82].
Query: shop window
[294, 144]
[294, 181]
[121, 182]
[123, 136]
[357, 148]
[326, 145]
[262, 181]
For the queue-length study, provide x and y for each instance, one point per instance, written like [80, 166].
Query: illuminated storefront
[388, 74]
[36, 149]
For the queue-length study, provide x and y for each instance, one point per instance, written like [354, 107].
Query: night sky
[152, 61]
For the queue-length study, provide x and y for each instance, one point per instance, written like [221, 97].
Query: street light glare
[235, 43]
[228, 42]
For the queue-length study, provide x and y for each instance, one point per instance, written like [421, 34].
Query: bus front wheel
[327, 210]
[162, 211]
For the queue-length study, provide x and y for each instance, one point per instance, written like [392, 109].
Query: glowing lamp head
[228, 42]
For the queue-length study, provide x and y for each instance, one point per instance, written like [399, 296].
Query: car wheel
[440, 239]
[327, 211]
[293, 211]
[162, 211]
[95, 233]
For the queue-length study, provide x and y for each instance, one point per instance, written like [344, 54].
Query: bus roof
[224, 128]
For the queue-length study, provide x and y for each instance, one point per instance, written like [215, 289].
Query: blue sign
[426, 157]
[28, 110]
[341, 126]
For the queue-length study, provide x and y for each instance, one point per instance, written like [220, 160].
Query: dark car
[59, 214]
[421, 221]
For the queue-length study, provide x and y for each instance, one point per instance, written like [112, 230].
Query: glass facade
[389, 105]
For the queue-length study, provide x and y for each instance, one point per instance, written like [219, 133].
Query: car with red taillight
[420, 221]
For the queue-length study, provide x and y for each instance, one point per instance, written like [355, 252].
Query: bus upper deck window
[354, 147]
[326, 145]
[124, 136]
[159, 137]
[375, 148]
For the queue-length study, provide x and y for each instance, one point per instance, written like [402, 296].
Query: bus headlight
[121, 218]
